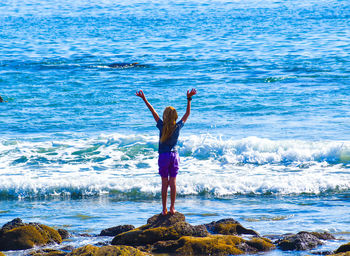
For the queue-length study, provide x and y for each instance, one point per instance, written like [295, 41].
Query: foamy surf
[126, 166]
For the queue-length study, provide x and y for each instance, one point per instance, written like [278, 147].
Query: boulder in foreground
[16, 235]
[218, 245]
[171, 234]
[160, 228]
[47, 252]
[110, 250]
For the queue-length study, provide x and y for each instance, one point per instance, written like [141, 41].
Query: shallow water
[267, 142]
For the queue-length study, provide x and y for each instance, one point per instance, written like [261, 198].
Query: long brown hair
[169, 123]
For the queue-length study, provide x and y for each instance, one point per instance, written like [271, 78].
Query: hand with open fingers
[140, 94]
[191, 93]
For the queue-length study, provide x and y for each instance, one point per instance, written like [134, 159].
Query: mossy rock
[211, 245]
[160, 220]
[144, 236]
[229, 227]
[88, 250]
[261, 244]
[47, 252]
[27, 236]
[343, 248]
[110, 250]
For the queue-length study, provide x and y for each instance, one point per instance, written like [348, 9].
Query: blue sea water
[267, 142]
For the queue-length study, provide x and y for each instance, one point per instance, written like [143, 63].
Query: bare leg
[165, 184]
[172, 183]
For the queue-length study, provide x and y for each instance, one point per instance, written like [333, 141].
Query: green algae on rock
[160, 228]
[17, 235]
[47, 252]
[212, 245]
[160, 220]
[170, 234]
[146, 235]
[229, 227]
[110, 250]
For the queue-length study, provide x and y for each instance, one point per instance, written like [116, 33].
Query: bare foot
[172, 210]
[164, 212]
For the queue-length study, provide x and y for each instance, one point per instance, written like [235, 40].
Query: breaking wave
[125, 166]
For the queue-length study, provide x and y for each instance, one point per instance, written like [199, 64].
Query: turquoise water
[267, 142]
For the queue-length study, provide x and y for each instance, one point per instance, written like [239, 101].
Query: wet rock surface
[229, 227]
[171, 234]
[113, 231]
[16, 235]
[302, 241]
[110, 250]
[160, 220]
[47, 252]
[165, 235]
[149, 235]
[343, 248]
[212, 245]
[63, 233]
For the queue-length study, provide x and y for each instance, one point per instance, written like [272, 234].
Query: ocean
[267, 142]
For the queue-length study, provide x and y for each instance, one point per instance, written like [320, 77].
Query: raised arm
[142, 96]
[188, 109]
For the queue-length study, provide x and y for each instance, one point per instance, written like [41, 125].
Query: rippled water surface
[267, 142]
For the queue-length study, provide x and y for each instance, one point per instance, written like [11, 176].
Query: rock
[1, 254]
[47, 252]
[110, 250]
[63, 233]
[85, 235]
[342, 254]
[116, 230]
[149, 235]
[260, 244]
[172, 235]
[160, 220]
[343, 248]
[99, 244]
[17, 235]
[67, 248]
[212, 245]
[323, 236]
[15, 223]
[229, 227]
[321, 252]
[301, 241]
[88, 250]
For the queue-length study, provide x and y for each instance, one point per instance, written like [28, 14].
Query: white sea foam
[127, 165]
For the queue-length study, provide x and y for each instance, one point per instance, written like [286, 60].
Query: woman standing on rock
[168, 160]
